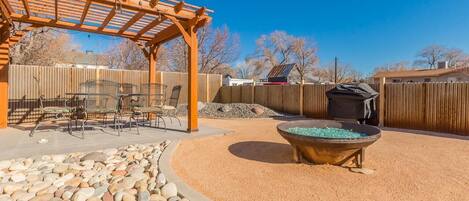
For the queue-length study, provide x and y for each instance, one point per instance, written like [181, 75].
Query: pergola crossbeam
[5, 11]
[153, 3]
[152, 24]
[8, 6]
[179, 7]
[132, 21]
[169, 33]
[108, 19]
[134, 5]
[181, 29]
[85, 11]
[56, 10]
[26, 7]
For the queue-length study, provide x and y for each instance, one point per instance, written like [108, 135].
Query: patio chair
[57, 112]
[100, 98]
[126, 90]
[170, 110]
[149, 103]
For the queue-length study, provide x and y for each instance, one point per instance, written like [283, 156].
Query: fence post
[97, 76]
[382, 100]
[161, 77]
[301, 97]
[253, 93]
[207, 87]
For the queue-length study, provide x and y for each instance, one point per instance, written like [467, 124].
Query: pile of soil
[231, 111]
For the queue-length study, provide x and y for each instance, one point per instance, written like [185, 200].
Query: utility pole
[335, 69]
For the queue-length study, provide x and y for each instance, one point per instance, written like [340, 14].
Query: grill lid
[356, 91]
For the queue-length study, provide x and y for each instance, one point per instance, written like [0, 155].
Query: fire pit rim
[373, 133]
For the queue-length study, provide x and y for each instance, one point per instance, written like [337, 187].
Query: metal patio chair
[57, 112]
[148, 103]
[170, 110]
[100, 98]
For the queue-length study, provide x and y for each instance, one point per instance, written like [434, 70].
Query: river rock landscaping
[122, 174]
[231, 111]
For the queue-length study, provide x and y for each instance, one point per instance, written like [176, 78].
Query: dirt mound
[231, 111]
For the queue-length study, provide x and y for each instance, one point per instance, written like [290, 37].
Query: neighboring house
[84, 60]
[281, 74]
[228, 80]
[427, 75]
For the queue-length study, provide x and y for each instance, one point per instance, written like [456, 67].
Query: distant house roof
[421, 73]
[281, 71]
[85, 58]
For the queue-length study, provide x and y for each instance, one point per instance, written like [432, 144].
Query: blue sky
[363, 33]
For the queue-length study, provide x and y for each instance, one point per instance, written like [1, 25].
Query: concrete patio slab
[16, 143]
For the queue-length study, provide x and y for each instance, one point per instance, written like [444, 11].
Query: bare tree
[272, 50]
[431, 55]
[345, 73]
[244, 70]
[44, 47]
[217, 49]
[453, 56]
[280, 48]
[304, 53]
[463, 62]
[127, 55]
[398, 66]
[178, 52]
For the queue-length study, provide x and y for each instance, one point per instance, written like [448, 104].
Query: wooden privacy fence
[282, 98]
[442, 107]
[28, 82]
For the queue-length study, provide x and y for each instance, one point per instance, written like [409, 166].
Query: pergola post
[189, 35]
[152, 57]
[4, 62]
[193, 60]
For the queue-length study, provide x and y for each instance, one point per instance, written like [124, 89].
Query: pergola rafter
[85, 11]
[108, 19]
[149, 23]
[132, 21]
[26, 7]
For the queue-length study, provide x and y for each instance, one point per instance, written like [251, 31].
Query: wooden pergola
[149, 23]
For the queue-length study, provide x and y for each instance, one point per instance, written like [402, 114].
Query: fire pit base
[329, 151]
[306, 154]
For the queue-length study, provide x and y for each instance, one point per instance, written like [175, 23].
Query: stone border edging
[164, 164]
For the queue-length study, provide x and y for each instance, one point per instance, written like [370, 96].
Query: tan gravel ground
[254, 163]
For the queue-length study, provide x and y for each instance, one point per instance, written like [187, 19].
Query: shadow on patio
[16, 142]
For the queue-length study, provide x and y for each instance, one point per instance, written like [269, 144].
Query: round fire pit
[333, 151]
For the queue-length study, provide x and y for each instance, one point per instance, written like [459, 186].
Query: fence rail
[442, 107]
[28, 82]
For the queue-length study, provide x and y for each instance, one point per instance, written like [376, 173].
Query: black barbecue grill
[352, 101]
